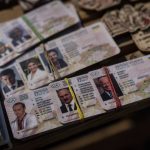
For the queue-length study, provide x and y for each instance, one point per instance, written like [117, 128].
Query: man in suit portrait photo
[18, 36]
[105, 89]
[9, 81]
[23, 121]
[68, 104]
[54, 58]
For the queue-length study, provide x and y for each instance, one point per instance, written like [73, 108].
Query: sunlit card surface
[52, 18]
[18, 34]
[11, 81]
[130, 79]
[33, 69]
[31, 113]
[81, 48]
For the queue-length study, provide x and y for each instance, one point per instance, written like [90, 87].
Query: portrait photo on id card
[34, 71]
[67, 101]
[56, 58]
[18, 35]
[104, 87]
[22, 115]
[10, 80]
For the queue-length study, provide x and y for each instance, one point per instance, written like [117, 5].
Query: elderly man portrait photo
[67, 101]
[104, 87]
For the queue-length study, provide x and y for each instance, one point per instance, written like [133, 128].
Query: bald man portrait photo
[68, 104]
[104, 87]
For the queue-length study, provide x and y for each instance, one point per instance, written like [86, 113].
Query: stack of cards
[46, 22]
[16, 37]
[80, 49]
[31, 113]
[97, 5]
[75, 99]
[22, 33]
[34, 104]
[130, 80]
[142, 39]
[128, 19]
[58, 58]
[79, 97]
[52, 106]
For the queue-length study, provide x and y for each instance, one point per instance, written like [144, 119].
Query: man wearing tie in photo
[68, 104]
[106, 92]
[105, 88]
[8, 78]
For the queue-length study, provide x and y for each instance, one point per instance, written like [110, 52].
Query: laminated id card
[31, 113]
[33, 69]
[11, 81]
[123, 83]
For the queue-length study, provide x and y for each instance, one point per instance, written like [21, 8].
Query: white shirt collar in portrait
[29, 123]
[109, 94]
[38, 76]
[72, 105]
